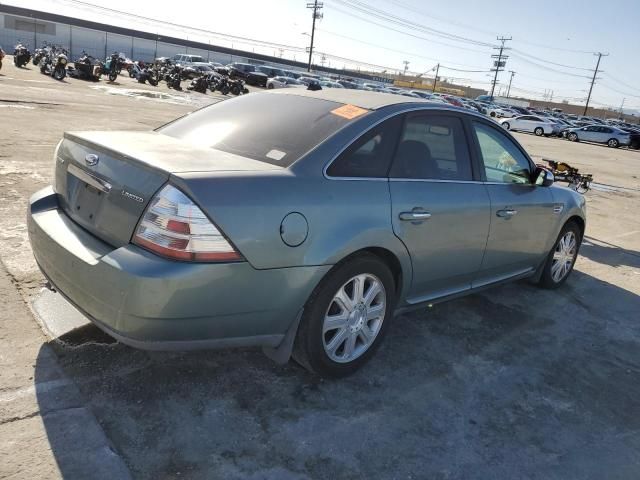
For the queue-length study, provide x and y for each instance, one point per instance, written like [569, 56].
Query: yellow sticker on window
[349, 111]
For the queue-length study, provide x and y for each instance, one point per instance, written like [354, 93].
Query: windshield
[272, 128]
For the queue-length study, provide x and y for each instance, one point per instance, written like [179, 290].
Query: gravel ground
[514, 382]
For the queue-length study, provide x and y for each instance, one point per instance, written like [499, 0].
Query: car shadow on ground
[609, 254]
[515, 382]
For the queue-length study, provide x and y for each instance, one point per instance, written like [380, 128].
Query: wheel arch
[577, 219]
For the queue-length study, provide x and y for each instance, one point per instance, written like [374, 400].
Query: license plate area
[88, 201]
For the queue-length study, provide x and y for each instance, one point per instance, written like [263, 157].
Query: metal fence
[35, 32]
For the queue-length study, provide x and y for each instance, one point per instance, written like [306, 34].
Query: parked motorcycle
[1, 57]
[147, 75]
[40, 53]
[173, 78]
[55, 63]
[135, 68]
[199, 84]
[21, 55]
[225, 85]
[111, 67]
[86, 67]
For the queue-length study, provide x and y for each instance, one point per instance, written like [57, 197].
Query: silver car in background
[611, 136]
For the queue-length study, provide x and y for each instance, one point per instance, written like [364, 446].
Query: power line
[546, 68]
[397, 20]
[550, 62]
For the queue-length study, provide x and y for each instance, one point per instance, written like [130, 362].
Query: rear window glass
[271, 128]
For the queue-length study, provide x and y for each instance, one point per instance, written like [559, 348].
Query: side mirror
[543, 177]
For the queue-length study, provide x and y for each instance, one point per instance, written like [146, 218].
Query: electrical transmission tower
[499, 63]
[316, 6]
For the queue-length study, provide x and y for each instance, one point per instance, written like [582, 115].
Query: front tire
[562, 258]
[506, 126]
[346, 317]
[59, 73]
[538, 132]
[613, 143]
[573, 137]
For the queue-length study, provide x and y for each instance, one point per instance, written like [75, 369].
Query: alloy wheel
[354, 318]
[563, 256]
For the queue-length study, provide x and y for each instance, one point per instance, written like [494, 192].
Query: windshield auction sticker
[349, 111]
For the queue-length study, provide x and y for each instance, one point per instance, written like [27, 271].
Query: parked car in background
[611, 136]
[283, 82]
[248, 73]
[531, 124]
[185, 60]
[255, 236]
[422, 94]
[348, 84]
[634, 137]
[331, 84]
[271, 72]
[292, 74]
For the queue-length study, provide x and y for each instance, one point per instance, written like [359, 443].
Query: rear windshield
[272, 128]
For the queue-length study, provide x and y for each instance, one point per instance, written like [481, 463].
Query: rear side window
[433, 147]
[370, 155]
[503, 160]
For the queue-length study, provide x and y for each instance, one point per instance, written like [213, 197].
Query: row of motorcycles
[53, 60]
[174, 75]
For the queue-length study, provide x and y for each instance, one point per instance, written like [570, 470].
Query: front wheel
[59, 73]
[613, 143]
[345, 319]
[562, 257]
[113, 76]
[538, 131]
[573, 137]
[506, 126]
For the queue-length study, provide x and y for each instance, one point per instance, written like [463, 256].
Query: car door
[439, 210]
[589, 134]
[604, 134]
[521, 212]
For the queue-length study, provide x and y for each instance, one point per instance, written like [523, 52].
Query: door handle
[506, 213]
[414, 216]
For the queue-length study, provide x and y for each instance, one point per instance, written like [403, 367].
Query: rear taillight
[175, 227]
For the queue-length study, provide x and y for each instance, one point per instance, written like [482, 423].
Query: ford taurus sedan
[297, 221]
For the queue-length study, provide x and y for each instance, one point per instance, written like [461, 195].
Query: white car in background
[530, 123]
[283, 82]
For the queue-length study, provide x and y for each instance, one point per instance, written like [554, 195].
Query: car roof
[359, 98]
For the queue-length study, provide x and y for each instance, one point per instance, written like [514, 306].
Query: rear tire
[506, 126]
[562, 257]
[539, 131]
[613, 143]
[336, 337]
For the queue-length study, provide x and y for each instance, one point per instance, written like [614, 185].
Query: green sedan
[297, 221]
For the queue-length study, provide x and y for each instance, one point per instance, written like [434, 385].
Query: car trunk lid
[105, 180]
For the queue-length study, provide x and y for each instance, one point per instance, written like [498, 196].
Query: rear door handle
[414, 216]
[506, 213]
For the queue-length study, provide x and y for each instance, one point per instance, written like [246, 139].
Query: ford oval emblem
[91, 159]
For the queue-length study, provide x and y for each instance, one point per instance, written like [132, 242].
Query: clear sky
[552, 47]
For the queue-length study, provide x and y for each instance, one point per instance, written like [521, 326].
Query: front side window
[432, 147]
[503, 161]
[370, 155]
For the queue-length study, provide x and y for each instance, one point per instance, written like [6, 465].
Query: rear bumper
[152, 303]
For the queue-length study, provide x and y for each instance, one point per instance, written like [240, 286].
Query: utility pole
[593, 80]
[499, 63]
[510, 80]
[316, 6]
[406, 66]
[435, 80]
[621, 108]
